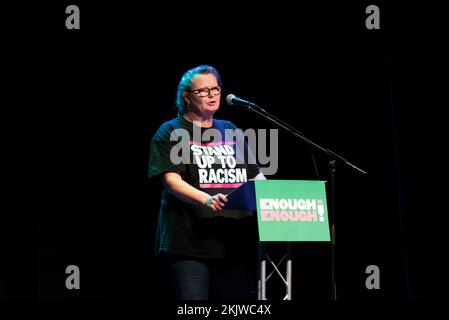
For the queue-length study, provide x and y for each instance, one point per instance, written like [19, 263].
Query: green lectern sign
[291, 210]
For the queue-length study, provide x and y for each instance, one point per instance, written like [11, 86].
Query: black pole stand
[332, 165]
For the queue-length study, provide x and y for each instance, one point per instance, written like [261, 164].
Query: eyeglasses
[204, 92]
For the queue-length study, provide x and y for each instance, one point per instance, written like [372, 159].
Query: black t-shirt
[209, 165]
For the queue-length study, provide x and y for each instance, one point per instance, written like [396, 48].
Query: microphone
[232, 100]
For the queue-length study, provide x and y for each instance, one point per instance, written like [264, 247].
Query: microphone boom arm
[258, 110]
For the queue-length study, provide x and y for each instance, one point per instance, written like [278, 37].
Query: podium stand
[287, 211]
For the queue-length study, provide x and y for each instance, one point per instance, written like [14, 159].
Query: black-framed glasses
[204, 92]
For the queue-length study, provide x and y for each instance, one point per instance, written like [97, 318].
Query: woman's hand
[216, 202]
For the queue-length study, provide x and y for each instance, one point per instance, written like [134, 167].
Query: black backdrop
[91, 99]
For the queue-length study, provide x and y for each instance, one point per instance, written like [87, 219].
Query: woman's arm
[175, 185]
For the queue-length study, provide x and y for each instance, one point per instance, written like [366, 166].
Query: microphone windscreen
[229, 99]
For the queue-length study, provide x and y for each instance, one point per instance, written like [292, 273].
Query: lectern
[287, 211]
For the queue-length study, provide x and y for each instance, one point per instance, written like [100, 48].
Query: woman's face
[204, 106]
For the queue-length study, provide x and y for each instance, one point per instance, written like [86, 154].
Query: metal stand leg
[289, 272]
[261, 283]
[262, 269]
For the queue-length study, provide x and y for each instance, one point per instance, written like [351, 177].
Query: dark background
[88, 102]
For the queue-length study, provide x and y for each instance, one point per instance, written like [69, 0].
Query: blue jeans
[204, 279]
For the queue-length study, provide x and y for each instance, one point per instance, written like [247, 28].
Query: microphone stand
[334, 157]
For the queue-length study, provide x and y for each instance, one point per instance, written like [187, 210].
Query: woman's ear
[185, 97]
